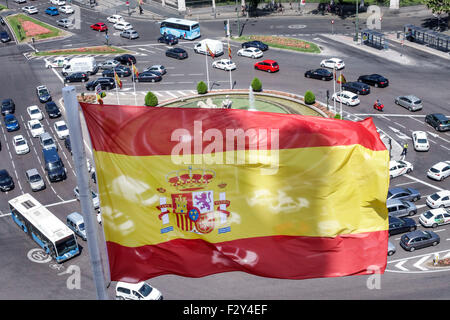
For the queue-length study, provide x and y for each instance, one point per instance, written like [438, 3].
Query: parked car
[109, 64]
[401, 225]
[255, 44]
[420, 141]
[35, 127]
[419, 239]
[95, 198]
[4, 37]
[11, 123]
[61, 129]
[267, 65]
[399, 167]
[35, 113]
[407, 194]
[356, 87]
[120, 71]
[6, 181]
[20, 1]
[123, 25]
[399, 208]
[391, 248]
[35, 180]
[137, 291]
[115, 18]
[76, 77]
[250, 52]
[52, 110]
[439, 171]
[148, 77]
[333, 63]
[410, 102]
[8, 106]
[105, 83]
[20, 144]
[177, 53]
[126, 59]
[321, 74]
[99, 26]
[375, 80]
[66, 9]
[224, 64]
[435, 217]
[438, 121]
[52, 11]
[157, 68]
[129, 34]
[348, 98]
[43, 94]
[30, 9]
[65, 23]
[439, 199]
[169, 39]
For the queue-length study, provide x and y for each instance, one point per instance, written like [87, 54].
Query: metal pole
[207, 72]
[340, 91]
[334, 90]
[87, 209]
[239, 26]
[356, 22]
[134, 83]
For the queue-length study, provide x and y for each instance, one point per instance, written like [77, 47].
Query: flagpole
[117, 89]
[334, 89]
[340, 91]
[229, 55]
[79, 157]
[207, 72]
[134, 83]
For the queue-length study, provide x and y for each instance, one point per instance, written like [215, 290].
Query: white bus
[180, 28]
[50, 233]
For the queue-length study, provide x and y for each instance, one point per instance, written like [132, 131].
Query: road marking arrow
[418, 263]
[400, 266]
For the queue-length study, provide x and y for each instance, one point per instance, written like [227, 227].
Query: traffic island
[99, 50]
[27, 29]
[283, 43]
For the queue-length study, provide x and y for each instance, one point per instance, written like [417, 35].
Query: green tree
[202, 88]
[439, 7]
[256, 85]
[310, 98]
[151, 100]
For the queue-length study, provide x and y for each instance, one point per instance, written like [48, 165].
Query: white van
[75, 222]
[137, 291]
[81, 64]
[215, 46]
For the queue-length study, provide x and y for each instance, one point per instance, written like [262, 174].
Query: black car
[401, 225]
[126, 59]
[148, 77]
[256, 44]
[375, 80]
[121, 72]
[105, 83]
[177, 53]
[169, 39]
[8, 106]
[52, 110]
[2, 22]
[67, 144]
[43, 94]
[438, 121]
[77, 77]
[4, 37]
[322, 74]
[6, 181]
[356, 87]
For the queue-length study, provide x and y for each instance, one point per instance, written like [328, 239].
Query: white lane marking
[418, 263]
[400, 266]
[58, 203]
[422, 182]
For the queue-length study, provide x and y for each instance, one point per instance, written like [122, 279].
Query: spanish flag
[210, 52]
[194, 192]
[229, 51]
[341, 79]
[135, 71]
[118, 81]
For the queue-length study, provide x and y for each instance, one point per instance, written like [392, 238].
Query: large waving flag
[291, 196]
[117, 78]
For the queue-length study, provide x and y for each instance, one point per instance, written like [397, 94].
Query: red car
[100, 26]
[267, 65]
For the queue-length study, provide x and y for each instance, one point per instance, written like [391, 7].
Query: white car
[95, 198]
[137, 291]
[20, 1]
[35, 113]
[439, 199]
[333, 63]
[61, 129]
[66, 9]
[439, 171]
[58, 2]
[250, 52]
[20, 145]
[123, 25]
[115, 18]
[398, 168]
[35, 128]
[30, 9]
[57, 62]
[435, 217]
[420, 141]
[347, 97]
[224, 64]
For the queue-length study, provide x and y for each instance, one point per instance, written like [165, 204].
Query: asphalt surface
[407, 277]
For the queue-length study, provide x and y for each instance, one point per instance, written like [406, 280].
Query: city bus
[180, 28]
[50, 233]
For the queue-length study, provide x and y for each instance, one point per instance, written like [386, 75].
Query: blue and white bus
[180, 28]
[50, 233]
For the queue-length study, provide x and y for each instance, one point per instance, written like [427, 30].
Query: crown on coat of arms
[190, 178]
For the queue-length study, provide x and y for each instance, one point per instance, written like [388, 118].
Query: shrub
[202, 88]
[256, 85]
[310, 98]
[337, 116]
[151, 100]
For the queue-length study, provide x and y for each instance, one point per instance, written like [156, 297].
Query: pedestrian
[405, 150]
[140, 9]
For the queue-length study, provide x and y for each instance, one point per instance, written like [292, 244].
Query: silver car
[391, 248]
[46, 141]
[35, 180]
[66, 23]
[156, 68]
[129, 34]
[109, 64]
[398, 208]
[412, 103]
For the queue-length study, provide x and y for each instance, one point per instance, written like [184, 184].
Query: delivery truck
[81, 64]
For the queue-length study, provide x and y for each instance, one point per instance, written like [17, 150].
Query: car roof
[76, 217]
[397, 190]
[440, 165]
[411, 97]
[132, 286]
[420, 134]
[392, 202]
[443, 193]
[416, 233]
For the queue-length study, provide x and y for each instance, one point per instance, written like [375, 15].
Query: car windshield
[43, 92]
[422, 140]
[62, 127]
[54, 165]
[81, 226]
[48, 142]
[434, 170]
[34, 111]
[4, 178]
[35, 178]
[434, 196]
[389, 194]
[274, 64]
[418, 102]
[65, 245]
[36, 126]
[145, 290]
[20, 142]
[11, 121]
[428, 215]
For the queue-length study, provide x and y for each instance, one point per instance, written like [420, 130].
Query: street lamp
[356, 22]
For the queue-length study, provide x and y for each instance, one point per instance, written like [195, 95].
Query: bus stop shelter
[374, 39]
[427, 37]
